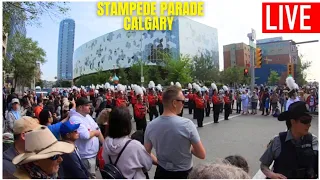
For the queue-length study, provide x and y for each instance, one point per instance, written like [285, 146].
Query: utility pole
[252, 38]
[142, 78]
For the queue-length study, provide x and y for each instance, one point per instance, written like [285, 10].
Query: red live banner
[290, 17]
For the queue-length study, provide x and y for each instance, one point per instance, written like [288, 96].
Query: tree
[25, 56]
[273, 78]
[301, 67]
[30, 12]
[134, 74]
[39, 83]
[153, 73]
[232, 76]
[122, 74]
[179, 70]
[203, 68]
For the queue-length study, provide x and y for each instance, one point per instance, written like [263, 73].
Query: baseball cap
[68, 127]
[25, 124]
[295, 110]
[82, 101]
[15, 100]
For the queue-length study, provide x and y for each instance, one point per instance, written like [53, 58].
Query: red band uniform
[190, 101]
[216, 106]
[199, 105]
[207, 99]
[140, 111]
[152, 101]
[227, 106]
[160, 103]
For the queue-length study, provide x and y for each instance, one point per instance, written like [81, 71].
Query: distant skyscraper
[16, 26]
[65, 49]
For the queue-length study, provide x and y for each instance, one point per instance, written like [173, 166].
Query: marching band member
[194, 95]
[227, 103]
[140, 109]
[207, 99]
[145, 97]
[221, 97]
[179, 85]
[217, 101]
[293, 88]
[160, 105]
[152, 100]
[200, 105]
[190, 97]
[121, 101]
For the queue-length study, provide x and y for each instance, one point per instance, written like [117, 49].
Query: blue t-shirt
[55, 129]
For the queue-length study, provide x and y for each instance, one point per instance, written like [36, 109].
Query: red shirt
[109, 99]
[160, 98]
[139, 111]
[206, 97]
[190, 96]
[215, 99]
[145, 99]
[133, 100]
[152, 100]
[200, 104]
[226, 99]
[120, 102]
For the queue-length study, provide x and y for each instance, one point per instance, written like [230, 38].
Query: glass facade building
[124, 48]
[65, 49]
[16, 26]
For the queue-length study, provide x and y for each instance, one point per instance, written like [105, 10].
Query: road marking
[222, 119]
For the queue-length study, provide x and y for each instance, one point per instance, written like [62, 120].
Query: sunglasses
[180, 100]
[305, 119]
[55, 157]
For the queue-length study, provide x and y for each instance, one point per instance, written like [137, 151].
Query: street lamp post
[252, 37]
[142, 78]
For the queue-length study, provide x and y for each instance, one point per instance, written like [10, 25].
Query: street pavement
[245, 135]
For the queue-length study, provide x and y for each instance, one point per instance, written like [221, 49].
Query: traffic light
[245, 72]
[258, 58]
[290, 69]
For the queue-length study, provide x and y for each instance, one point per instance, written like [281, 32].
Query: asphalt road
[245, 135]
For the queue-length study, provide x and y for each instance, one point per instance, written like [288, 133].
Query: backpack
[110, 170]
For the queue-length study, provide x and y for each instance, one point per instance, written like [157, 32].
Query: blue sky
[233, 24]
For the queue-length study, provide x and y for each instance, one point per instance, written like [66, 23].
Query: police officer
[294, 152]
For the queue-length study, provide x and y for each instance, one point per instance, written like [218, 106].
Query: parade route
[245, 135]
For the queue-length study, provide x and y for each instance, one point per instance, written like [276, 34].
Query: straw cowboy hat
[41, 144]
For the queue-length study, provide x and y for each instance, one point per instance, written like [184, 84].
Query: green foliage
[101, 77]
[273, 78]
[203, 68]
[134, 74]
[61, 83]
[301, 68]
[30, 12]
[25, 56]
[39, 83]
[122, 75]
[179, 70]
[232, 76]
